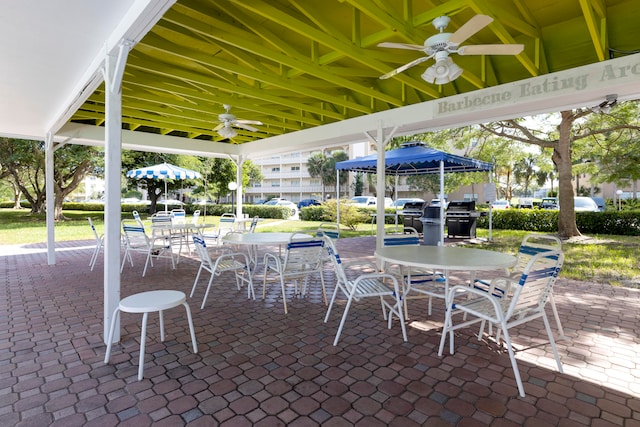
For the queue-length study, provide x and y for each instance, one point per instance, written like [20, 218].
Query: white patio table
[253, 240]
[446, 259]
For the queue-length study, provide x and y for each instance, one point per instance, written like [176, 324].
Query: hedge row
[624, 223]
[274, 212]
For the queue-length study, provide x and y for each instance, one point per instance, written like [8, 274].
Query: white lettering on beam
[556, 84]
[469, 102]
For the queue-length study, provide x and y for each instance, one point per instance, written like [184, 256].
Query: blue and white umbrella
[163, 171]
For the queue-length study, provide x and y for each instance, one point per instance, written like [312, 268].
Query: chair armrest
[270, 259]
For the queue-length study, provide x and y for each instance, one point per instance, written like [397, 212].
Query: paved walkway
[257, 366]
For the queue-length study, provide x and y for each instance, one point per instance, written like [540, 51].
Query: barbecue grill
[461, 219]
[412, 211]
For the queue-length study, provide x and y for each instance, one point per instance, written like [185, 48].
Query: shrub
[625, 223]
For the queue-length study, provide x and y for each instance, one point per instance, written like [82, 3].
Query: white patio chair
[329, 229]
[236, 262]
[425, 283]
[531, 245]
[302, 259]
[364, 286]
[522, 301]
[137, 240]
[179, 230]
[254, 224]
[225, 226]
[99, 242]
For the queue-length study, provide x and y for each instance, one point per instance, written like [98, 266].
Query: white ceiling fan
[440, 45]
[228, 121]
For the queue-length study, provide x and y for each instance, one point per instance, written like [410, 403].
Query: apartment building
[287, 176]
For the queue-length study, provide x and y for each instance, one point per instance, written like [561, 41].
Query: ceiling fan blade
[470, 27]
[404, 67]
[491, 49]
[249, 122]
[220, 126]
[401, 46]
[245, 126]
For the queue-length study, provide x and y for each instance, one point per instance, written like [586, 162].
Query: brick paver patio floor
[257, 366]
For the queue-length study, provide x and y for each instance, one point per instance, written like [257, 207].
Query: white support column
[381, 142]
[337, 197]
[441, 203]
[239, 162]
[114, 69]
[380, 180]
[50, 201]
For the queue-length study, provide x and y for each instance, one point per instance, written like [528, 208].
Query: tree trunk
[16, 196]
[562, 159]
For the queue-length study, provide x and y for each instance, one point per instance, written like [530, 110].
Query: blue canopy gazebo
[414, 158]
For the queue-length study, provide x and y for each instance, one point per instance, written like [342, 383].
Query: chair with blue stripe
[424, 283]
[137, 240]
[303, 258]
[236, 262]
[225, 226]
[374, 285]
[531, 245]
[523, 299]
[329, 229]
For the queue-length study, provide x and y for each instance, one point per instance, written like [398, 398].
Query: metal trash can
[432, 232]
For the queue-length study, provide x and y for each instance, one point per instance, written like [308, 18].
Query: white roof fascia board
[136, 22]
[82, 134]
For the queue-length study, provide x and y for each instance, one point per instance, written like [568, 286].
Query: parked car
[585, 204]
[500, 204]
[308, 202]
[549, 203]
[363, 201]
[399, 204]
[370, 201]
[600, 202]
[286, 203]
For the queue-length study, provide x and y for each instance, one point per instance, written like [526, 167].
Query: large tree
[24, 161]
[572, 127]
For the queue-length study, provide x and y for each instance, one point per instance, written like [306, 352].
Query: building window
[295, 168]
[257, 184]
[275, 169]
[275, 184]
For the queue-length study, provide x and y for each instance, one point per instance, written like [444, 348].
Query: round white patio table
[253, 240]
[259, 239]
[445, 258]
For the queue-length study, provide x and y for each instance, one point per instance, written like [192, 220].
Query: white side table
[148, 302]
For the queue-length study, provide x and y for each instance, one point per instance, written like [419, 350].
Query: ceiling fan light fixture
[443, 71]
[227, 132]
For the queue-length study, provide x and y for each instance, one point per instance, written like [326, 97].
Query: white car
[399, 204]
[585, 204]
[286, 203]
[501, 204]
[370, 201]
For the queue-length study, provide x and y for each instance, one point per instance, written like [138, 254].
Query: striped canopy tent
[163, 171]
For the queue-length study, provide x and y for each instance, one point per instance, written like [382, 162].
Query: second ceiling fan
[440, 45]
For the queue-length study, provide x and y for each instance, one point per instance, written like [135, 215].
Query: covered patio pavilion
[154, 75]
[256, 366]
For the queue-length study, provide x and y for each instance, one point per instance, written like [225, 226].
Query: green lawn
[603, 259]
